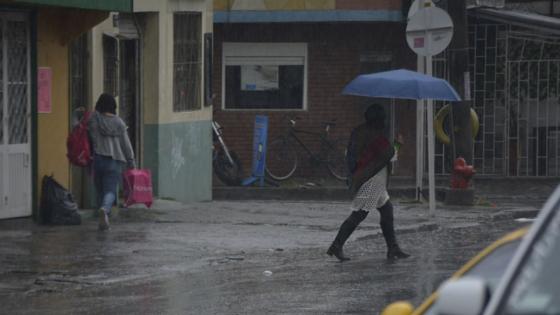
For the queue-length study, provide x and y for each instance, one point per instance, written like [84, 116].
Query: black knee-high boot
[346, 229]
[387, 227]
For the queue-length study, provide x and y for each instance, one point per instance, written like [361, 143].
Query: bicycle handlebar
[327, 124]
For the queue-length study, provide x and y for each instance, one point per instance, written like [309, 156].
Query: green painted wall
[180, 157]
[103, 5]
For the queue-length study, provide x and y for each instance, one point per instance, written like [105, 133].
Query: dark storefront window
[266, 76]
[281, 87]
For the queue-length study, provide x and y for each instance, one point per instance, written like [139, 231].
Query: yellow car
[489, 264]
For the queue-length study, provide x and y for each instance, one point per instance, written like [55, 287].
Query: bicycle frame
[323, 137]
[284, 149]
[217, 131]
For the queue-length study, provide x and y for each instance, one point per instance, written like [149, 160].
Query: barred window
[110, 64]
[79, 71]
[208, 68]
[187, 63]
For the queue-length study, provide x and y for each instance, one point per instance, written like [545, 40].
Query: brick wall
[334, 51]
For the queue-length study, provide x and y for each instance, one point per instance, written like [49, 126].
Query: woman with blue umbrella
[370, 160]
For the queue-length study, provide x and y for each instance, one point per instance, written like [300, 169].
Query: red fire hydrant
[462, 174]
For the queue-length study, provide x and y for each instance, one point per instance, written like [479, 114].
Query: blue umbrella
[401, 83]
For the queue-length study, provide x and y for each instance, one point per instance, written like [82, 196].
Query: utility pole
[461, 137]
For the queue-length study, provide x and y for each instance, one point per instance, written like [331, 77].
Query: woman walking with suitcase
[112, 149]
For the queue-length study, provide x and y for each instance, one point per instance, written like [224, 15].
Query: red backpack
[78, 146]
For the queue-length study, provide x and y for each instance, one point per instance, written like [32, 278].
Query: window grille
[208, 68]
[110, 60]
[515, 84]
[187, 63]
[17, 82]
[79, 68]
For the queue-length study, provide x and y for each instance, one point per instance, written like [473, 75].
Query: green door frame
[34, 116]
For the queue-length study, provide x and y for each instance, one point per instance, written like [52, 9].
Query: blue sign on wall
[259, 151]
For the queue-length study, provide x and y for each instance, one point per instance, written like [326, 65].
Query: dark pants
[356, 217]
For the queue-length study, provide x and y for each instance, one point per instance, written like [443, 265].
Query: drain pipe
[139, 92]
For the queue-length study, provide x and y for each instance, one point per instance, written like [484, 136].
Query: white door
[15, 117]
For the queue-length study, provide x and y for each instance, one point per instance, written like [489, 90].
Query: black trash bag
[57, 204]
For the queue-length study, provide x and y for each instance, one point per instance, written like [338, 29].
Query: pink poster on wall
[44, 84]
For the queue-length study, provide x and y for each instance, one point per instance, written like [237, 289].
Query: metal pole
[431, 151]
[431, 143]
[421, 62]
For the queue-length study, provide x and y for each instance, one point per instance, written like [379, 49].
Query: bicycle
[282, 156]
[225, 162]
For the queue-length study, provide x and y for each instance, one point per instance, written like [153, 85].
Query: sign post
[428, 32]
[420, 112]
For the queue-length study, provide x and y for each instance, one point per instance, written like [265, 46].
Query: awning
[542, 23]
[294, 16]
[102, 5]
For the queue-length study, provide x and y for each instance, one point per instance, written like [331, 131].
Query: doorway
[128, 89]
[15, 116]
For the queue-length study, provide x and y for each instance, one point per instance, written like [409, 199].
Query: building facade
[34, 124]
[314, 48]
[153, 61]
[287, 59]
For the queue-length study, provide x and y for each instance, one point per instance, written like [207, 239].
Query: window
[79, 71]
[110, 64]
[265, 76]
[491, 268]
[187, 56]
[534, 287]
[208, 68]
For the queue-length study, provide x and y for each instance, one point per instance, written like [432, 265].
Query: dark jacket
[373, 152]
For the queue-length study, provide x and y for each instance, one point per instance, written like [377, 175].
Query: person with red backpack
[111, 151]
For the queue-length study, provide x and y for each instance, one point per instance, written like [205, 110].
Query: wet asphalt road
[76, 270]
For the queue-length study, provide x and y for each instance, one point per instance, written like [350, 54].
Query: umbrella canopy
[403, 84]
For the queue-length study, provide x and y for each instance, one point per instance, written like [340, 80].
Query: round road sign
[415, 6]
[429, 31]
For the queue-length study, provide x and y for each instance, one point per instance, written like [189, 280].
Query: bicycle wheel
[281, 159]
[229, 174]
[336, 159]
